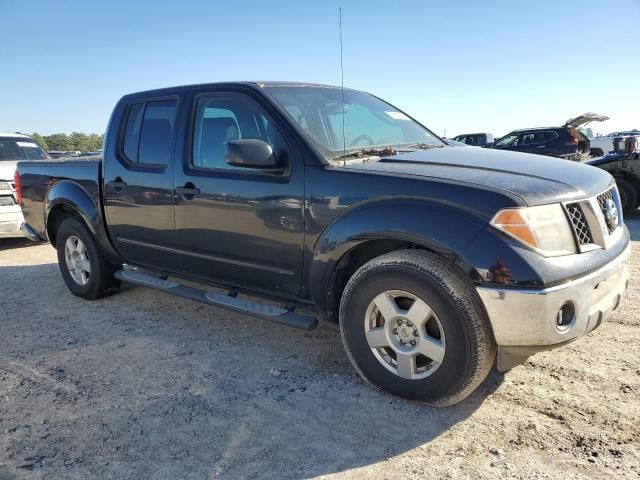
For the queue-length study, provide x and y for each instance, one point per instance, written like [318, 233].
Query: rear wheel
[413, 325]
[83, 267]
[628, 195]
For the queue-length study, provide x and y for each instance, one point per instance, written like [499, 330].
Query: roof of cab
[254, 84]
[520, 130]
[14, 135]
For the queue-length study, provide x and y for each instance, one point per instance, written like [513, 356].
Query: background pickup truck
[336, 204]
[616, 142]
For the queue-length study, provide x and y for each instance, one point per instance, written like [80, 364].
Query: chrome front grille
[579, 223]
[594, 220]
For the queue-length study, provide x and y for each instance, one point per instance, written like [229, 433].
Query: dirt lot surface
[141, 385]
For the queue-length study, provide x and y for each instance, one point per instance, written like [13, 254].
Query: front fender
[437, 226]
[69, 194]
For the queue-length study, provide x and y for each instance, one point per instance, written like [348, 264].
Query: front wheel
[83, 267]
[413, 325]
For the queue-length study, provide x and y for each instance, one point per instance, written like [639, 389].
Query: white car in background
[602, 145]
[14, 148]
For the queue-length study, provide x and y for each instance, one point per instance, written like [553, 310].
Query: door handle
[188, 191]
[117, 185]
[542, 146]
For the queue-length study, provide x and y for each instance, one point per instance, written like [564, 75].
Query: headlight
[544, 228]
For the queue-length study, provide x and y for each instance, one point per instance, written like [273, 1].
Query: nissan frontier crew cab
[335, 204]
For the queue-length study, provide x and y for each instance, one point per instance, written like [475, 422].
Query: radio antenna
[344, 138]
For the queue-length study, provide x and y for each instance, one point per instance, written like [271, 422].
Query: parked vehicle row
[432, 259]
[75, 153]
[566, 142]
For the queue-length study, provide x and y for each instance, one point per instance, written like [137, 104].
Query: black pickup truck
[335, 204]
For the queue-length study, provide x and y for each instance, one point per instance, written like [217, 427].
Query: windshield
[20, 149]
[368, 121]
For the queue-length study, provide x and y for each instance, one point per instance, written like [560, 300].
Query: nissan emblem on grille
[609, 209]
[610, 214]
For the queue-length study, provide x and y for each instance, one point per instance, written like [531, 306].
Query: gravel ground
[142, 385]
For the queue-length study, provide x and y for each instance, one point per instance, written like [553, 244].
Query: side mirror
[251, 153]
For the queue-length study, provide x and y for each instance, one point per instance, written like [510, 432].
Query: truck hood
[535, 179]
[7, 169]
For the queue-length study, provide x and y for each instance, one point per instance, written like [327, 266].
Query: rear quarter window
[132, 131]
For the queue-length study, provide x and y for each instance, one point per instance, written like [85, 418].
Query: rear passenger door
[138, 180]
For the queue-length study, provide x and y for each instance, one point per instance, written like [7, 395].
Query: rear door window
[148, 132]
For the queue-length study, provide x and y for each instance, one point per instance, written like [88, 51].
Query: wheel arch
[375, 229]
[632, 179]
[69, 199]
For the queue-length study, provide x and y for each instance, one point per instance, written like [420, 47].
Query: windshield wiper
[387, 151]
[368, 152]
[423, 145]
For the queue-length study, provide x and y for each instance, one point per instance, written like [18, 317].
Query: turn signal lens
[544, 228]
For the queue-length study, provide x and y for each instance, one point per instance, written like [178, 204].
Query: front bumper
[526, 321]
[10, 221]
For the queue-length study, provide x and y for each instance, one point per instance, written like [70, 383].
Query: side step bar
[260, 310]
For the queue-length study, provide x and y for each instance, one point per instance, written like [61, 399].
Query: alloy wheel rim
[404, 334]
[77, 259]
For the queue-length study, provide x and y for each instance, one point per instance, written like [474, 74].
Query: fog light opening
[565, 317]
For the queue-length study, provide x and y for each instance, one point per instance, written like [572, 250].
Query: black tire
[628, 195]
[470, 347]
[101, 281]
[596, 152]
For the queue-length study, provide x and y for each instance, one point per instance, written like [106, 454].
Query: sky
[456, 66]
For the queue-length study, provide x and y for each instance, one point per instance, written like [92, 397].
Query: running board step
[230, 302]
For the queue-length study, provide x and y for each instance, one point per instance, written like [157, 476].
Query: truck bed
[37, 178]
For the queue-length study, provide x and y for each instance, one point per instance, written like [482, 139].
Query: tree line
[76, 141]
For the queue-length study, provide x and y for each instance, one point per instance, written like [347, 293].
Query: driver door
[239, 226]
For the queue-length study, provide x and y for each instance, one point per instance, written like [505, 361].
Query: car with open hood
[564, 142]
[331, 203]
